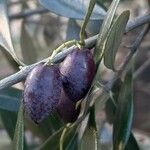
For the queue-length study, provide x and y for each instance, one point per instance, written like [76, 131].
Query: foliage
[52, 132]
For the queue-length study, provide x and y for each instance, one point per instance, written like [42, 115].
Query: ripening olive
[77, 71]
[42, 91]
[67, 109]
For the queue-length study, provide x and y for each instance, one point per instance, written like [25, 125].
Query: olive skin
[42, 91]
[67, 109]
[78, 70]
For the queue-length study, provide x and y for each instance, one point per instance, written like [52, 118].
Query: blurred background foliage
[34, 38]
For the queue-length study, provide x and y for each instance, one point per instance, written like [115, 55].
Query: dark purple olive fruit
[67, 109]
[42, 91]
[78, 71]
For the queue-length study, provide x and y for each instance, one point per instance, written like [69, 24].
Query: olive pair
[58, 87]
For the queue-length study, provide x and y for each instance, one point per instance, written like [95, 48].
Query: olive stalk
[60, 48]
[86, 20]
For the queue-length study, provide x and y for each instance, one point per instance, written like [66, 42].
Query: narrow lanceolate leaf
[5, 38]
[10, 99]
[9, 105]
[124, 114]
[52, 142]
[114, 39]
[18, 141]
[28, 48]
[67, 139]
[72, 9]
[89, 140]
[73, 30]
[73, 143]
[132, 143]
[99, 49]
[9, 120]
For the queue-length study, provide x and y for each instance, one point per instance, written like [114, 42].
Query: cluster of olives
[50, 88]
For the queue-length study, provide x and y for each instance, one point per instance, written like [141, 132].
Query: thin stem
[60, 48]
[86, 20]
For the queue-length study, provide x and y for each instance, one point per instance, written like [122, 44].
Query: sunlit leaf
[72, 9]
[18, 141]
[5, 37]
[28, 48]
[114, 39]
[124, 114]
[98, 52]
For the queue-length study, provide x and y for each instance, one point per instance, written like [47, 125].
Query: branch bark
[90, 42]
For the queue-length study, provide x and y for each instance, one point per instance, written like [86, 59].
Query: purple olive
[67, 109]
[42, 91]
[78, 71]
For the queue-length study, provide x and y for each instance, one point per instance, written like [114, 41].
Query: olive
[78, 70]
[67, 109]
[42, 91]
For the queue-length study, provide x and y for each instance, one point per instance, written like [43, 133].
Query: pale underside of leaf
[99, 49]
[5, 36]
[18, 141]
[73, 9]
[124, 114]
[114, 39]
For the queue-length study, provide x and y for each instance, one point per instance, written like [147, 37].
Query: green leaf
[73, 30]
[132, 144]
[10, 99]
[89, 140]
[28, 48]
[18, 141]
[73, 143]
[52, 142]
[114, 39]
[9, 120]
[5, 37]
[124, 114]
[68, 137]
[99, 49]
[50, 125]
[72, 9]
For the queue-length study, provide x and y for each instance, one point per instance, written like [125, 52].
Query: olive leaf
[73, 9]
[9, 105]
[89, 140]
[10, 99]
[5, 37]
[9, 120]
[114, 39]
[18, 141]
[52, 141]
[99, 49]
[68, 137]
[124, 114]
